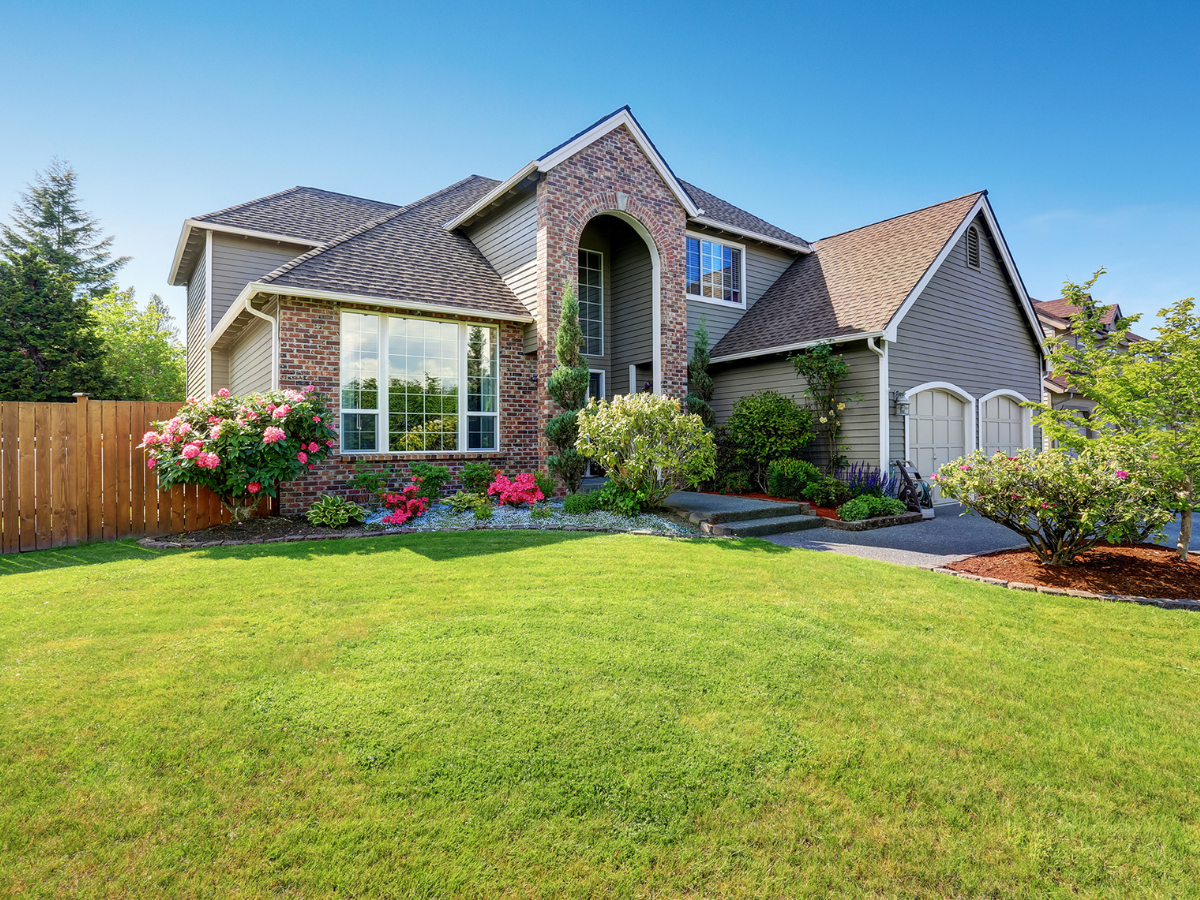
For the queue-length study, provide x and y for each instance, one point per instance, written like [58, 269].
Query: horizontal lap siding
[966, 328]
[508, 240]
[763, 268]
[197, 332]
[238, 261]
[632, 312]
[250, 360]
[596, 237]
[860, 429]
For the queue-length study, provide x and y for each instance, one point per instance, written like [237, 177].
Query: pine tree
[699, 398]
[48, 345]
[568, 388]
[48, 218]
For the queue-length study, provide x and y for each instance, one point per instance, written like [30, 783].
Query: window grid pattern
[591, 301]
[422, 385]
[482, 383]
[714, 270]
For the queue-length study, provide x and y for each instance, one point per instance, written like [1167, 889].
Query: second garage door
[1001, 426]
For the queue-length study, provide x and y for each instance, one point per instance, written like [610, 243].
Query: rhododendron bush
[241, 447]
[406, 504]
[514, 492]
[647, 444]
[1061, 504]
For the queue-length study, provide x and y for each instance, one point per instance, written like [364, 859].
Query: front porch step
[775, 510]
[759, 526]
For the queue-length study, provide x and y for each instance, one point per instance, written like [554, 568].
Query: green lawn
[552, 715]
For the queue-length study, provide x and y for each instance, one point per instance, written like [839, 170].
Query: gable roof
[406, 257]
[306, 216]
[854, 283]
[1062, 309]
[722, 214]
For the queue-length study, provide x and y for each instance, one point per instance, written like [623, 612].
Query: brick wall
[310, 354]
[611, 174]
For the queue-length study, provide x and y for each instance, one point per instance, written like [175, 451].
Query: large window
[714, 270]
[591, 302]
[402, 380]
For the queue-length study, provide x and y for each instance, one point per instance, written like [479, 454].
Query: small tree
[48, 343]
[241, 447]
[143, 357]
[568, 388]
[1146, 395]
[648, 445]
[699, 399]
[764, 427]
[823, 373]
[48, 218]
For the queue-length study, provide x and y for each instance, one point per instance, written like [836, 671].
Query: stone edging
[873, 523]
[153, 544]
[1162, 602]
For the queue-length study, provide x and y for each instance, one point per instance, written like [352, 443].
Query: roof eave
[496, 193]
[801, 345]
[706, 222]
[176, 277]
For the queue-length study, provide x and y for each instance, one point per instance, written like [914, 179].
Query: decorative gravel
[441, 516]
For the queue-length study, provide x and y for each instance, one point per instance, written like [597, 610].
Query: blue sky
[1081, 119]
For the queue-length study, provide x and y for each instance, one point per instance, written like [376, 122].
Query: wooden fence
[72, 472]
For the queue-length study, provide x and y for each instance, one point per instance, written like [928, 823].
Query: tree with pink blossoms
[241, 448]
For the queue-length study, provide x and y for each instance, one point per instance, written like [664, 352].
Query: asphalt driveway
[947, 537]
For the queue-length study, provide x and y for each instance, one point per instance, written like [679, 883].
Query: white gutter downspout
[885, 424]
[274, 342]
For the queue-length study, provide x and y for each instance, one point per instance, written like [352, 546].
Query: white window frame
[603, 299]
[733, 245]
[603, 373]
[382, 413]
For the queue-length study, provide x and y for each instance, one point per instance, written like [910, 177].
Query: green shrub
[865, 506]
[540, 511]
[476, 477]
[463, 501]
[373, 481]
[333, 512]
[789, 477]
[433, 478]
[544, 483]
[619, 499]
[482, 509]
[580, 504]
[826, 491]
[767, 426]
[648, 445]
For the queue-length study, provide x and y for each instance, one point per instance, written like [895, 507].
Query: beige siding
[508, 240]
[197, 332]
[860, 429]
[764, 265]
[237, 261]
[250, 360]
[966, 328]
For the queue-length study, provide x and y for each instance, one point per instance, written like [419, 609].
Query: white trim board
[803, 345]
[741, 248]
[189, 225]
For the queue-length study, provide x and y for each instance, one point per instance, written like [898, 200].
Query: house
[1055, 318]
[432, 323]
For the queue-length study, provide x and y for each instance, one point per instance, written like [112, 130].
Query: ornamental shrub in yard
[514, 492]
[1061, 504]
[647, 444]
[865, 506]
[788, 478]
[408, 503]
[241, 447]
[768, 426]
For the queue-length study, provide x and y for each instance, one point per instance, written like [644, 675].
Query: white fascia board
[490, 197]
[803, 345]
[255, 287]
[981, 205]
[190, 224]
[752, 235]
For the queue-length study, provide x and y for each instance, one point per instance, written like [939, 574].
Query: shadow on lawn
[435, 546]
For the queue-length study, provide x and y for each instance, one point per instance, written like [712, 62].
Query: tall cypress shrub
[699, 398]
[568, 388]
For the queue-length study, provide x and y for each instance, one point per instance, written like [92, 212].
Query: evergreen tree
[699, 398]
[568, 388]
[48, 345]
[142, 353]
[48, 218]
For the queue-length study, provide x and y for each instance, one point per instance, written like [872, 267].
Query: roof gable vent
[973, 247]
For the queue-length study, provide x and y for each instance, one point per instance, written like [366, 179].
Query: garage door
[1001, 426]
[937, 432]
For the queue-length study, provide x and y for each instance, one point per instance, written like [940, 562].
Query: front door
[937, 432]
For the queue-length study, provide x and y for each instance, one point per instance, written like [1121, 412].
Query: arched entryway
[619, 278]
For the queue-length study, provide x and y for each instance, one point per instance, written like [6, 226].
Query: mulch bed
[825, 512]
[1144, 570]
[266, 527]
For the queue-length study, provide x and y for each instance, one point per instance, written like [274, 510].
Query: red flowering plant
[241, 447]
[522, 489]
[405, 505]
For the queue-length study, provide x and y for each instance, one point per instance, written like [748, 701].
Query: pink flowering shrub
[241, 447]
[405, 505]
[1062, 505]
[522, 489]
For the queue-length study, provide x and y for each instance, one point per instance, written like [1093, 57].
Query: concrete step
[769, 510]
[757, 527]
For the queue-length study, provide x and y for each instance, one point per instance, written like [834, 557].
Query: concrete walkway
[719, 507]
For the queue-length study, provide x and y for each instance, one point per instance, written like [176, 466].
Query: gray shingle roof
[852, 283]
[722, 211]
[305, 213]
[407, 256]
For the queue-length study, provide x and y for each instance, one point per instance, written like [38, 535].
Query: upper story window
[402, 380]
[973, 247]
[714, 270]
[591, 302]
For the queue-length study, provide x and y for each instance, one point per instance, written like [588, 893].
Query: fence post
[78, 467]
